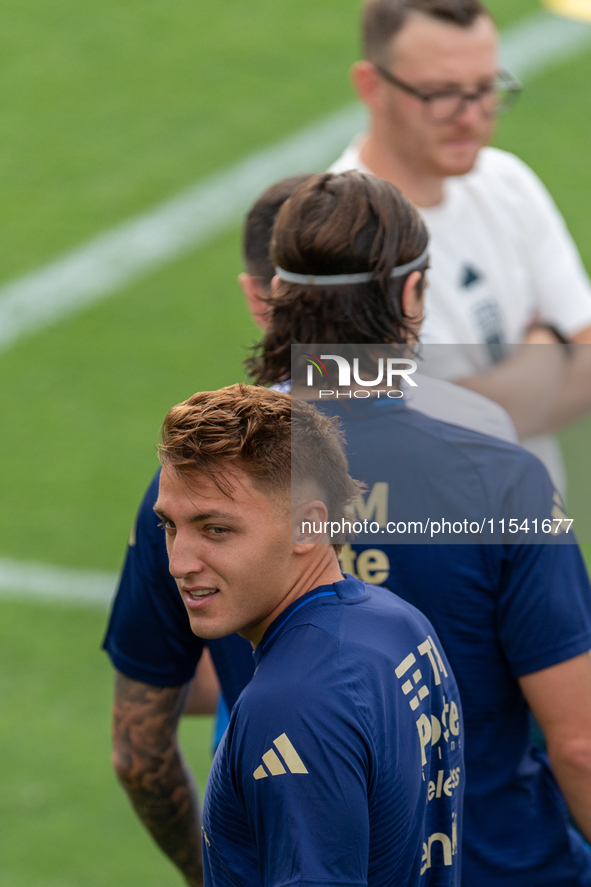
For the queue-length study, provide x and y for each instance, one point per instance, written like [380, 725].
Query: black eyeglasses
[443, 105]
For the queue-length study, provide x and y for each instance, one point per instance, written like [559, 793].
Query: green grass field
[108, 108]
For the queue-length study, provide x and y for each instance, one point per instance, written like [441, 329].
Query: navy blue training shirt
[501, 611]
[342, 761]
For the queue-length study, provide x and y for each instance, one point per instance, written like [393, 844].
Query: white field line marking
[121, 255]
[542, 40]
[31, 581]
[190, 219]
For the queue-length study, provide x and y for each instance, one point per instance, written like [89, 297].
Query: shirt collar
[347, 589]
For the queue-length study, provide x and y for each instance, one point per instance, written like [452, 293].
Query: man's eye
[443, 95]
[167, 525]
[217, 531]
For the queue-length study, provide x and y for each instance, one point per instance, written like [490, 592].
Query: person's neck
[378, 155]
[322, 570]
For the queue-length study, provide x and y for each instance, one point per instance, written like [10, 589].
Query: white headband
[335, 279]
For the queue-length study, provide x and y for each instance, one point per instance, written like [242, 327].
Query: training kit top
[501, 611]
[342, 761]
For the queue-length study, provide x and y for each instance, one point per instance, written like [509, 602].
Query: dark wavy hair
[258, 228]
[339, 224]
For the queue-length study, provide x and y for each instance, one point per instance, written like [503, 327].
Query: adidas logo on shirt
[274, 763]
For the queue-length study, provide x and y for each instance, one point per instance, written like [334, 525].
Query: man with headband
[514, 619]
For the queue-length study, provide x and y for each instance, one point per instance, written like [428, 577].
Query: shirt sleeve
[544, 604]
[302, 768]
[561, 285]
[149, 638]
[545, 607]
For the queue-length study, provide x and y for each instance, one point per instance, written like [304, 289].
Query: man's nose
[183, 556]
[471, 114]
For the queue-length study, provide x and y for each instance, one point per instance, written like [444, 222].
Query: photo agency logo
[391, 373]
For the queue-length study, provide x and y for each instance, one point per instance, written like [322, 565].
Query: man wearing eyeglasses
[501, 257]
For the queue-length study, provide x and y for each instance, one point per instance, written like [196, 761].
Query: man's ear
[366, 81]
[256, 298]
[309, 526]
[412, 298]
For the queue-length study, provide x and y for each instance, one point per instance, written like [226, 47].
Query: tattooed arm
[149, 765]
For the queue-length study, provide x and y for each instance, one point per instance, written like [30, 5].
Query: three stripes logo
[274, 764]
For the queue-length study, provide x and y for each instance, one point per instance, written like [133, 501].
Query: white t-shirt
[501, 255]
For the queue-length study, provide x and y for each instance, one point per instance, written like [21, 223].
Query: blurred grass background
[109, 107]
